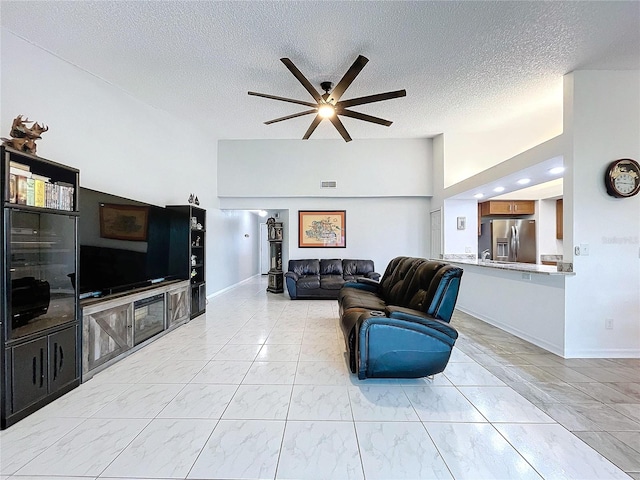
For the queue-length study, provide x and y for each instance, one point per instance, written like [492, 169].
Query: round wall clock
[622, 178]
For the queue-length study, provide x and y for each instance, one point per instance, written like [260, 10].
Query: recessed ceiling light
[556, 170]
[524, 181]
[478, 195]
[498, 189]
[262, 213]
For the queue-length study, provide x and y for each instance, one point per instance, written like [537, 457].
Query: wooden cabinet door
[496, 207]
[559, 219]
[29, 373]
[177, 306]
[523, 207]
[108, 334]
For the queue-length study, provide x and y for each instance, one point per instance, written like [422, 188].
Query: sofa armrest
[292, 275]
[375, 276]
[373, 288]
[368, 281]
[410, 315]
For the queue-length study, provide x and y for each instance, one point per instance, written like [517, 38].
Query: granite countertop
[516, 267]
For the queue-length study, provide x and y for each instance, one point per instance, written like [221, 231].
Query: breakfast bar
[527, 300]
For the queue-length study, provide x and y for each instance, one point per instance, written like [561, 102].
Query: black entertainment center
[87, 277]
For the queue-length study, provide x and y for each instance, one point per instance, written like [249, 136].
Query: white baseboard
[514, 331]
[231, 287]
[609, 353]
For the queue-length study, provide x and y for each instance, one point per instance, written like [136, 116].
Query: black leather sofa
[399, 327]
[323, 279]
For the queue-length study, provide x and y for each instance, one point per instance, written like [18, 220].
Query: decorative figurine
[194, 260]
[190, 198]
[24, 137]
[196, 201]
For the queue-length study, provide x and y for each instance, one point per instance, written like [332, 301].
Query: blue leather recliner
[399, 327]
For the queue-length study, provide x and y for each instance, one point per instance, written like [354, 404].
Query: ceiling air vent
[329, 184]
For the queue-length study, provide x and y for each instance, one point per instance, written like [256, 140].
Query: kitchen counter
[512, 266]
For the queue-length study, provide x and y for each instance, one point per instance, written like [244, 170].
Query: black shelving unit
[39, 329]
[188, 252]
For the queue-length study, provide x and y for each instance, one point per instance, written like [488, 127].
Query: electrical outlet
[608, 324]
[576, 250]
[584, 249]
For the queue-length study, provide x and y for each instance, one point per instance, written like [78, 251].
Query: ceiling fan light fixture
[326, 110]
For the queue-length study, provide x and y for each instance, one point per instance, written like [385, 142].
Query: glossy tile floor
[259, 388]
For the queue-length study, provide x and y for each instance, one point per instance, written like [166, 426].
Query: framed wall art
[322, 229]
[123, 222]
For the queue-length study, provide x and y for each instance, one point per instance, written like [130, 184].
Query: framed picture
[322, 229]
[123, 222]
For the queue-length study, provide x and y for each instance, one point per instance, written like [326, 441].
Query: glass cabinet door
[42, 266]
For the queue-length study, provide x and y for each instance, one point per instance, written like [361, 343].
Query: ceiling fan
[328, 105]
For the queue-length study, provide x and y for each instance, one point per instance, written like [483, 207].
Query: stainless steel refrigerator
[509, 240]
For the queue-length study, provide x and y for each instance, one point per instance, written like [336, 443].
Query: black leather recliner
[399, 327]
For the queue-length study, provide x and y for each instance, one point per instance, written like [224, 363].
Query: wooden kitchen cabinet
[559, 219]
[507, 207]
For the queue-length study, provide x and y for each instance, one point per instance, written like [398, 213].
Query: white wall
[602, 121]
[460, 241]
[293, 168]
[377, 228]
[384, 186]
[121, 146]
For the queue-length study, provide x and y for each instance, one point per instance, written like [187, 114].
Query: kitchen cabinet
[559, 219]
[507, 207]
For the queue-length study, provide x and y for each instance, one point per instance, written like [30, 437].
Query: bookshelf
[188, 252]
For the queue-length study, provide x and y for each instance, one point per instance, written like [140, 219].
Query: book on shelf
[21, 190]
[13, 188]
[39, 193]
[31, 192]
[21, 166]
[35, 176]
[20, 172]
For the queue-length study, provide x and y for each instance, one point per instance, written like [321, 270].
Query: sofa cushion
[355, 298]
[331, 282]
[357, 267]
[419, 290]
[305, 267]
[331, 267]
[309, 281]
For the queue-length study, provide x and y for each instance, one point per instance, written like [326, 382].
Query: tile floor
[259, 388]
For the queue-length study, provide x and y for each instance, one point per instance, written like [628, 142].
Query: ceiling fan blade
[340, 127]
[283, 99]
[365, 117]
[379, 97]
[302, 79]
[306, 112]
[312, 127]
[349, 77]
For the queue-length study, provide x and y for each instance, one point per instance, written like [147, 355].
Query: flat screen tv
[124, 244]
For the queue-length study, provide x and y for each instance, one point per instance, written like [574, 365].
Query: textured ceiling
[464, 65]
